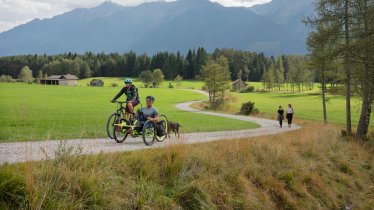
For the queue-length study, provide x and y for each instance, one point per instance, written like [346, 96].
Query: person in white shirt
[289, 114]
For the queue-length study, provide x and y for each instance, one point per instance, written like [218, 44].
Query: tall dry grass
[313, 168]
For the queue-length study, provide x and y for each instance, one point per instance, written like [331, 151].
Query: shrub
[114, 84]
[248, 108]
[6, 78]
[337, 90]
[249, 89]
[178, 80]
[12, 190]
[171, 85]
[218, 104]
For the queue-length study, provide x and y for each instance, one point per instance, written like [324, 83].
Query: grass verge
[304, 169]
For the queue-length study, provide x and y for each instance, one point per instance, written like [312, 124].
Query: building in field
[239, 85]
[68, 80]
[97, 83]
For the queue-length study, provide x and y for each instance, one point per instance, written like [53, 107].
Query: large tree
[26, 75]
[158, 77]
[363, 56]
[321, 59]
[146, 77]
[216, 77]
[337, 16]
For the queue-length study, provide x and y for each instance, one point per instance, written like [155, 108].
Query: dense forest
[250, 66]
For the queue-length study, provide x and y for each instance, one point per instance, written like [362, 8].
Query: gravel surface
[15, 152]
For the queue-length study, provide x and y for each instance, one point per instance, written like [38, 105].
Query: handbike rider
[149, 112]
[131, 93]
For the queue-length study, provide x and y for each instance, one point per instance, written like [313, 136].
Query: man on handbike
[131, 93]
[147, 113]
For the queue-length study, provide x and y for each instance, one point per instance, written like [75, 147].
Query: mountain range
[273, 28]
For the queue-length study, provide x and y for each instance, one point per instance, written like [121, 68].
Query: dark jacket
[131, 93]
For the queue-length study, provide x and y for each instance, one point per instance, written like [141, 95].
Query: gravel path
[39, 150]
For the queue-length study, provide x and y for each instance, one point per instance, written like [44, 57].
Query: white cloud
[15, 12]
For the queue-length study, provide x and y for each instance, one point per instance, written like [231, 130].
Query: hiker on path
[289, 115]
[280, 115]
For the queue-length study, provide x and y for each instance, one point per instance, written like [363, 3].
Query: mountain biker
[131, 93]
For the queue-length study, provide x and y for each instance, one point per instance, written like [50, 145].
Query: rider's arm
[119, 94]
[154, 119]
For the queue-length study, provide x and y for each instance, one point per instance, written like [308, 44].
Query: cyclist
[131, 93]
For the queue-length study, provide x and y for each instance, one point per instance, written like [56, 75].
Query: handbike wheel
[110, 124]
[120, 133]
[164, 120]
[149, 133]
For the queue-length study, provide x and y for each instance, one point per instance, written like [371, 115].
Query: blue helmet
[127, 81]
[151, 98]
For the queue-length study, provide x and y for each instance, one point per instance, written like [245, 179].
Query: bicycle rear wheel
[120, 133]
[164, 122]
[149, 133]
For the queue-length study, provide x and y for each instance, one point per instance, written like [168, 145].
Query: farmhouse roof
[52, 77]
[69, 77]
[62, 77]
[237, 81]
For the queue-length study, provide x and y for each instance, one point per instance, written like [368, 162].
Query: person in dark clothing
[131, 93]
[289, 115]
[280, 115]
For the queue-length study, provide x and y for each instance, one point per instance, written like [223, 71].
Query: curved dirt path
[14, 152]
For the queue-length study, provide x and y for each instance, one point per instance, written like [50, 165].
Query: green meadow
[37, 112]
[108, 81]
[306, 105]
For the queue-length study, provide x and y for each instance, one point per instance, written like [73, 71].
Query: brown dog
[173, 127]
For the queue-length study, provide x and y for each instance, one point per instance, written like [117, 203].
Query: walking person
[280, 116]
[289, 115]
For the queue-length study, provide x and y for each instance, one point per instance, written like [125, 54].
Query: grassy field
[33, 112]
[307, 106]
[299, 170]
[186, 84]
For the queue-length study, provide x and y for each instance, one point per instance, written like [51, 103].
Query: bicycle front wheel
[110, 124]
[149, 133]
[120, 133]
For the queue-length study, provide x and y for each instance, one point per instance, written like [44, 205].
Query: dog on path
[173, 127]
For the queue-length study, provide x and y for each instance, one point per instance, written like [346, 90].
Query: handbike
[134, 126]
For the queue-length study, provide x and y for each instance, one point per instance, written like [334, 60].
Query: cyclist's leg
[135, 103]
[130, 107]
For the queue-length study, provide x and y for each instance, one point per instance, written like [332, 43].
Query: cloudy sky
[15, 12]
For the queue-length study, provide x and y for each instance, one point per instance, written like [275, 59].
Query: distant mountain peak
[109, 5]
[163, 26]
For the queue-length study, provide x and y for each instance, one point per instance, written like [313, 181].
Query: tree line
[342, 47]
[249, 66]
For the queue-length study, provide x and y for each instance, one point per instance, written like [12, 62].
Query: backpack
[137, 92]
